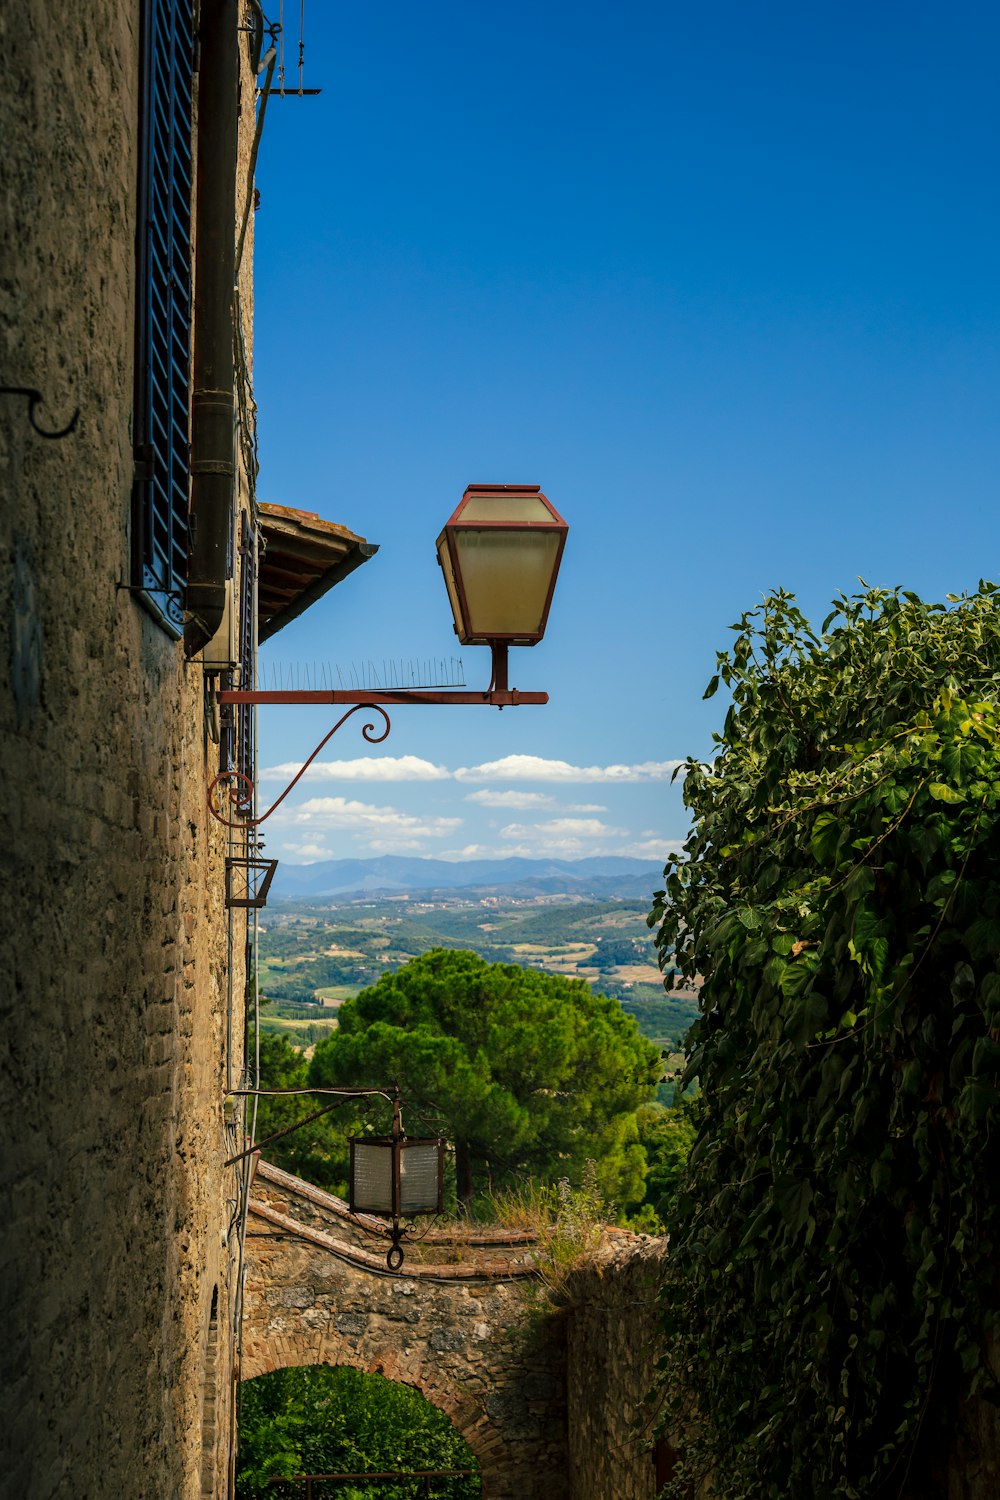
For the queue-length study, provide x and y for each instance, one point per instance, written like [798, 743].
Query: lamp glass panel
[506, 577]
[444, 554]
[371, 1178]
[500, 508]
[420, 1178]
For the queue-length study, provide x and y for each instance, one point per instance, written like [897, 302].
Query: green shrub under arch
[323, 1419]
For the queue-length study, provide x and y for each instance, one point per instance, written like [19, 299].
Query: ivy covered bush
[832, 1288]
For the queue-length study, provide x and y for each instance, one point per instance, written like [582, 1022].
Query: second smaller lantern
[396, 1177]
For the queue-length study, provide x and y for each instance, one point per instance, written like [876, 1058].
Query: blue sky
[721, 279]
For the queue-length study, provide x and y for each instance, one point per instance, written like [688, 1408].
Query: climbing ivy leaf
[825, 837]
[942, 793]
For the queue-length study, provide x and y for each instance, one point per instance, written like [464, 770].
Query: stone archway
[460, 1334]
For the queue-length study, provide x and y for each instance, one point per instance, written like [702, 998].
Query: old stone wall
[610, 1366]
[547, 1381]
[118, 1260]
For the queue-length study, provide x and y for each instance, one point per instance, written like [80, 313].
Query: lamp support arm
[241, 789]
[496, 697]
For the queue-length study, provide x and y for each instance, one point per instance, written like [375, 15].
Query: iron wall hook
[35, 399]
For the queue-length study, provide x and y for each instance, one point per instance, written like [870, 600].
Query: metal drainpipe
[213, 428]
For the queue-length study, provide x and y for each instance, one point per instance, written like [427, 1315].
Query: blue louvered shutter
[163, 307]
[248, 636]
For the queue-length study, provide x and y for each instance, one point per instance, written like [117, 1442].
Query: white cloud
[398, 844]
[386, 827]
[562, 828]
[554, 848]
[529, 801]
[309, 853]
[522, 801]
[538, 768]
[365, 768]
[509, 768]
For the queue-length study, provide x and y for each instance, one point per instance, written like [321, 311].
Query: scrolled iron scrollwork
[242, 800]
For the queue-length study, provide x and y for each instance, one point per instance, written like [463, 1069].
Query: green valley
[316, 954]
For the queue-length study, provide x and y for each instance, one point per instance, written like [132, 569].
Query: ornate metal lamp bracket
[498, 695]
[242, 801]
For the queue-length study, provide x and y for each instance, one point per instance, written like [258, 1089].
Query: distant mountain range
[601, 877]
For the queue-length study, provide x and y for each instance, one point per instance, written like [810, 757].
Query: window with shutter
[163, 311]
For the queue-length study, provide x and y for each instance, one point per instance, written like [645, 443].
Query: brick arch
[550, 1405]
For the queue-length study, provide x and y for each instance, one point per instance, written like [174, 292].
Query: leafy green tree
[317, 1152]
[835, 1239]
[608, 952]
[666, 1136]
[315, 1419]
[525, 1071]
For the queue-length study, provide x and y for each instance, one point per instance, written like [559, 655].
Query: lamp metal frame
[399, 1230]
[455, 525]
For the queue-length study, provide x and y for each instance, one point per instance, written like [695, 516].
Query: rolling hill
[603, 877]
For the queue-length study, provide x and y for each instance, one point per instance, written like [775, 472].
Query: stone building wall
[118, 1260]
[610, 1365]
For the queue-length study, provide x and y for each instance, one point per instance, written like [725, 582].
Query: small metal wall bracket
[248, 881]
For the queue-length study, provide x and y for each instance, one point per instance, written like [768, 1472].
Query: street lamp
[393, 1176]
[396, 1178]
[500, 554]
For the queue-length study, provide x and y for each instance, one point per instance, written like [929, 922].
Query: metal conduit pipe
[213, 426]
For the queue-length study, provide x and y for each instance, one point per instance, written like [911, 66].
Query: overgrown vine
[832, 1287]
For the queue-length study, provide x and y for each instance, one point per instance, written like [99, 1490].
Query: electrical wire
[267, 66]
[245, 1124]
